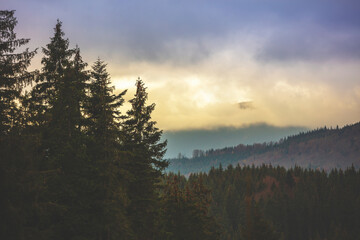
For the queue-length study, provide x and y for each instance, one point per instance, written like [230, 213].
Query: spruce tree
[186, 210]
[56, 63]
[13, 74]
[15, 147]
[58, 99]
[59, 95]
[103, 106]
[107, 158]
[142, 140]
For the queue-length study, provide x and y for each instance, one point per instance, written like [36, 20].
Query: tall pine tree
[13, 72]
[56, 63]
[60, 98]
[14, 145]
[142, 140]
[107, 158]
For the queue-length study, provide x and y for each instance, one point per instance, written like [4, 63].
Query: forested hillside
[322, 148]
[274, 203]
[183, 142]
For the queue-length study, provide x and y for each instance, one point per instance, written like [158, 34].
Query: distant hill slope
[184, 141]
[322, 148]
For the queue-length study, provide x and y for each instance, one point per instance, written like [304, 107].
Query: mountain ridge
[323, 148]
[182, 142]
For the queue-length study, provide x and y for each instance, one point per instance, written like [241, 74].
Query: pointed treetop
[57, 52]
[79, 64]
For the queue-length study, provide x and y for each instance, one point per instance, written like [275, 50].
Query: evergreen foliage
[323, 148]
[13, 72]
[107, 158]
[186, 210]
[141, 139]
[15, 148]
[74, 167]
[261, 202]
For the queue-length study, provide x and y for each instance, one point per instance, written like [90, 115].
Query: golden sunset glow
[221, 66]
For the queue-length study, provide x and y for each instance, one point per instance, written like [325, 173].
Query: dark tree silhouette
[142, 139]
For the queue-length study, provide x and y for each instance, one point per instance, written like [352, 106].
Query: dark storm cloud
[221, 45]
[313, 46]
[324, 30]
[150, 30]
[180, 31]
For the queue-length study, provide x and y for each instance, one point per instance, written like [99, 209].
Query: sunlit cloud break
[209, 64]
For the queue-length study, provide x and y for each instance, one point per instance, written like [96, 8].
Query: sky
[213, 64]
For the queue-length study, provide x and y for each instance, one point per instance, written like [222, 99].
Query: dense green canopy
[73, 166]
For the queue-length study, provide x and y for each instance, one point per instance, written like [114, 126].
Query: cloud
[246, 105]
[310, 44]
[203, 60]
[187, 32]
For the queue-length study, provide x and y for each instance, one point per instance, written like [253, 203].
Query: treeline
[268, 202]
[323, 148]
[73, 166]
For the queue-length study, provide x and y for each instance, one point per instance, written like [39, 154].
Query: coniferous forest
[75, 166]
[323, 148]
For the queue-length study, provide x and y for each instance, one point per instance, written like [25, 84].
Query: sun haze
[210, 64]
